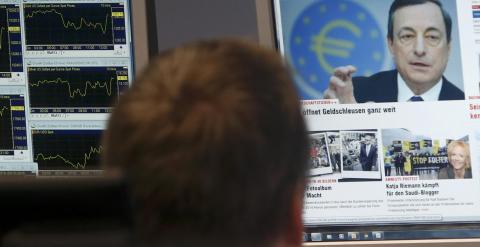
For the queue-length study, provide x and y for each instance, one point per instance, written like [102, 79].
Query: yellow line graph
[1, 37]
[76, 165]
[69, 24]
[79, 91]
[2, 110]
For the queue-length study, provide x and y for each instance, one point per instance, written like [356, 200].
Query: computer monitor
[63, 64]
[386, 169]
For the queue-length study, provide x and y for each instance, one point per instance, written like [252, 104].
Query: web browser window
[392, 106]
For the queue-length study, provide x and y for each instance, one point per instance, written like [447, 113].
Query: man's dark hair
[212, 140]
[397, 4]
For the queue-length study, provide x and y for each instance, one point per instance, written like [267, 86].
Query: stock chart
[6, 128]
[10, 40]
[63, 66]
[12, 124]
[77, 25]
[75, 89]
[66, 150]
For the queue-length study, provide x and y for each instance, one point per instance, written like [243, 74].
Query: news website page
[377, 155]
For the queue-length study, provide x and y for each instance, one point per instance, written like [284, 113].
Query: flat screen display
[393, 113]
[63, 64]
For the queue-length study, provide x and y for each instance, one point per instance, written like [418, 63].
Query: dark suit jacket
[382, 87]
[370, 158]
[400, 161]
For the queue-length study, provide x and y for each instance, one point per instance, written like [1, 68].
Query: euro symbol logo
[323, 45]
[331, 33]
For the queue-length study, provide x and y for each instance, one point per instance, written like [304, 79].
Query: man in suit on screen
[419, 39]
[368, 153]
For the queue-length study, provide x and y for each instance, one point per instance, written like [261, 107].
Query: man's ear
[294, 236]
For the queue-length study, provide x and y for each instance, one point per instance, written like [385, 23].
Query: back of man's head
[213, 143]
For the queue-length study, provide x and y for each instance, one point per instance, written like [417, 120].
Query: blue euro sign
[332, 33]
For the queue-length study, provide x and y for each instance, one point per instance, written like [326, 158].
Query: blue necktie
[416, 98]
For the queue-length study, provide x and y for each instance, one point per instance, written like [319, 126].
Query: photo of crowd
[427, 158]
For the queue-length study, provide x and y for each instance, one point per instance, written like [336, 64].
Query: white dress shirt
[405, 93]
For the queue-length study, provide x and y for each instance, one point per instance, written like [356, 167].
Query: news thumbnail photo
[428, 157]
[360, 154]
[344, 154]
[319, 157]
[320, 37]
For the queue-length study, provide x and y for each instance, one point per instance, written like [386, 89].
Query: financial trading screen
[63, 64]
